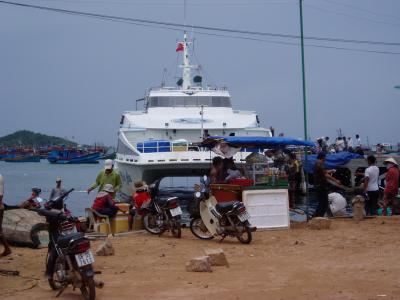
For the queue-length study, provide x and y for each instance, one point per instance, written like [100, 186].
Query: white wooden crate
[268, 209]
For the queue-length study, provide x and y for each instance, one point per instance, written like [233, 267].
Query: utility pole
[303, 73]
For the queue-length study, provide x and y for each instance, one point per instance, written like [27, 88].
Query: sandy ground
[349, 261]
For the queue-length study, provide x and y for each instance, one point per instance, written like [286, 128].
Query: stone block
[199, 264]
[319, 223]
[217, 257]
[105, 249]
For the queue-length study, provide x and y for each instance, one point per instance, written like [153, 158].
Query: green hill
[32, 139]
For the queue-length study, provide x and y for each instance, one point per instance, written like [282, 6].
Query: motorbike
[69, 259]
[160, 215]
[219, 219]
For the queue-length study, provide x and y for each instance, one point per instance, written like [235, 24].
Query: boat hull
[92, 158]
[23, 159]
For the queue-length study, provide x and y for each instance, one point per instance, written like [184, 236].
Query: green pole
[303, 73]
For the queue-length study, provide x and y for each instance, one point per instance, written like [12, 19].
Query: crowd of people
[108, 182]
[342, 143]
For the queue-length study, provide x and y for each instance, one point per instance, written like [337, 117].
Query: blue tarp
[332, 161]
[255, 141]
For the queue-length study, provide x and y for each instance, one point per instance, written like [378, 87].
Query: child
[140, 196]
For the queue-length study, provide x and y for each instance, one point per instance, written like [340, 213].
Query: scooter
[159, 215]
[219, 219]
[69, 260]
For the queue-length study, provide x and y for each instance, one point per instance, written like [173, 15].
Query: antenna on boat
[186, 63]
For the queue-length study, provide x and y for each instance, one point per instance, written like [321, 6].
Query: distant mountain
[32, 139]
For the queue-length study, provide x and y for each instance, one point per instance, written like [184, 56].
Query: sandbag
[337, 204]
[26, 228]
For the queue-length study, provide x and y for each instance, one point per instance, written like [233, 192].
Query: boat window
[189, 101]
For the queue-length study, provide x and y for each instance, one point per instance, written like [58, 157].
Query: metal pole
[202, 121]
[304, 100]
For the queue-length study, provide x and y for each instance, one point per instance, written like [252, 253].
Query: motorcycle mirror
[205, 178]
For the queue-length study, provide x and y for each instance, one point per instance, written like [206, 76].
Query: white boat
[160, 140]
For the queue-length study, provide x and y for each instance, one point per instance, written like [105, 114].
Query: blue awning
[255, 141]
[332, 161]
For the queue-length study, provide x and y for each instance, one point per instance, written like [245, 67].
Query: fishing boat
[22, 158]
[161, 140]
[73, 156]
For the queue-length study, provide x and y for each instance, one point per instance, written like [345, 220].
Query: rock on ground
[217, 257]
[319, 223]
[105, 249]
[199, 264]
[25, 227]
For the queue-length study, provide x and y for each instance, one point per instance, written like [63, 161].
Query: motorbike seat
[162, 202]
[224, 207]
[63, 240]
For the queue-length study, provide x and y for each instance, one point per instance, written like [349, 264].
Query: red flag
[180, 47]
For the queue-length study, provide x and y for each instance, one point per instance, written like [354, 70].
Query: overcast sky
[73, 76]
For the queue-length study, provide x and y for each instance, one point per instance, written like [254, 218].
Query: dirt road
[349, 261]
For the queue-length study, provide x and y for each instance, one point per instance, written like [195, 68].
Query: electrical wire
[179, 27]
[349, 15]
[379, 14]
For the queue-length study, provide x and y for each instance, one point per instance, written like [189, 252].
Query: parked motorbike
[219, 219]
[69, 259]
[160, 215]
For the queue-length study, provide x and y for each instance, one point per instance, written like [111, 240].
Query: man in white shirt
[371, 186]
[350, 144]
[358, 141]
[7, 250]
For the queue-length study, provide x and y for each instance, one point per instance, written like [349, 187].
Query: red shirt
[103, 201]
[392, 181]
[139, 198]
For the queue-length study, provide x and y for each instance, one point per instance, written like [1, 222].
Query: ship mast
[186, 63]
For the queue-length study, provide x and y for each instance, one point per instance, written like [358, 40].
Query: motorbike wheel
[176, 228]
[55, 282]
[88, 289]
[244, 236]
[150, 224]
[200, 230]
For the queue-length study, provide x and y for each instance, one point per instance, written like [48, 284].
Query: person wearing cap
[107, 176]
[139, 197]
[392, 185]
[33, 201]
[104, 203]
[7, 250]
[58, 190]
[321, 177]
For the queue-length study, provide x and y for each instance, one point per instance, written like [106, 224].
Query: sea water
[20, 178]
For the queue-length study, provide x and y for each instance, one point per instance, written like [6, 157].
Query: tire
[245, 236]
[149, 223]
[199, 230]
[176, 228]
[54, 281]
[88, 289]
[36, 237]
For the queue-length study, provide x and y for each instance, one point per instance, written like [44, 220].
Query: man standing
[358, 141]
[350, 144]
[7, 250]
[371, 188]
[321, 177]
[392, 185]
[58, 190]
[107, 176]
